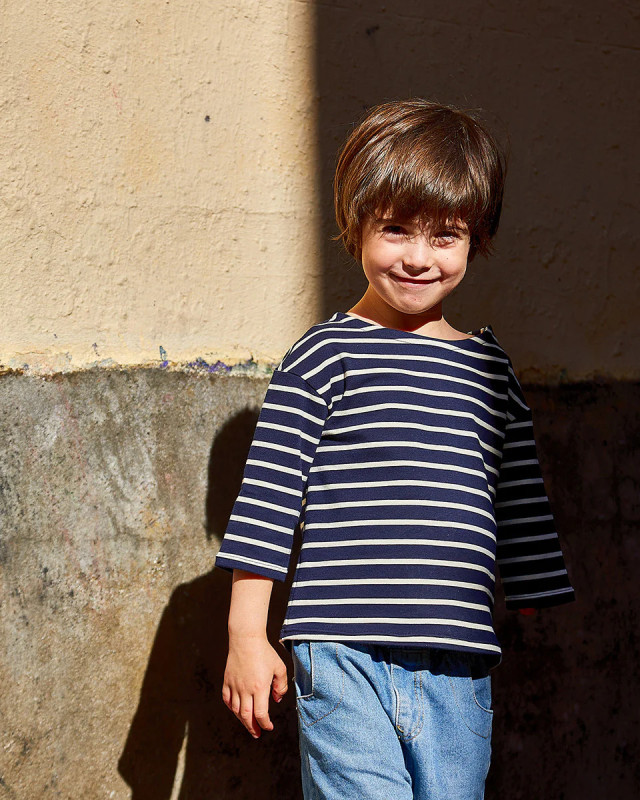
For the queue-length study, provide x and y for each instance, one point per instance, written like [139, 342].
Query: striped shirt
[410, 464]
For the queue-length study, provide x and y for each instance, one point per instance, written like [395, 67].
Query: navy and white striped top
[411, 465]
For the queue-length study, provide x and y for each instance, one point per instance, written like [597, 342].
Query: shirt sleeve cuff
[547, 601]
[229, 563]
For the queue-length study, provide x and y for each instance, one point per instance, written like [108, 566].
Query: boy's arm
[259, 535]
[258, 540]
[529, 555]
[254, 669]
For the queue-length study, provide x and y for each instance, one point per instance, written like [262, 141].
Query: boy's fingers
[278, 694]
[262, 717]
[279, 688]
[226, 696]
[248, 720]
[280, 685]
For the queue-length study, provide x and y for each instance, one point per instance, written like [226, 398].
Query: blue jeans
[391, 723]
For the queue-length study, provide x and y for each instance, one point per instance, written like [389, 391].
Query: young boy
[405, 448]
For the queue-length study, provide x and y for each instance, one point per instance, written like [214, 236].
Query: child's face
[412, 269]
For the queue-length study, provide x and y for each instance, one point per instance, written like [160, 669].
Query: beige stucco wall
[128, 221]
[133, 231]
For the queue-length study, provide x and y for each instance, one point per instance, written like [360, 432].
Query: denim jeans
[391, 723]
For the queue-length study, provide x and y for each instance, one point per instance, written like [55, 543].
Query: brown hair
[417, 158]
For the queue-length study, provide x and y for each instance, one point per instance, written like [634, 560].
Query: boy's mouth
[414, 281]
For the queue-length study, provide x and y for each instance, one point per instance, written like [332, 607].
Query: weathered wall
[165, 214]
[116, 486]
[157, 181]
[115, 489]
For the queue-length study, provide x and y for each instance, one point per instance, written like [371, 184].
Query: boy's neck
[429, 323]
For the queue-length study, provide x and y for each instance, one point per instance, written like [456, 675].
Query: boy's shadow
[181, 695]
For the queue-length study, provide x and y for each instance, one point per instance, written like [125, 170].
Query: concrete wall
[167, 174]
[165, 225]
[116, 486]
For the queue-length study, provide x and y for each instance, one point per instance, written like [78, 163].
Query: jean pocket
[318, 678]
[302, 670]
[472, 693]
[481, 688]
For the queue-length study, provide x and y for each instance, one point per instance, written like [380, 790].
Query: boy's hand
[254, 671]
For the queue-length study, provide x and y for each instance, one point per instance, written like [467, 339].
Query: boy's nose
[419, 253]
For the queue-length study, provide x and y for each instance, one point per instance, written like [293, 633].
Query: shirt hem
[492, 656]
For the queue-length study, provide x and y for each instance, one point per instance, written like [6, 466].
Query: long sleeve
[259, 536]
[532, 566]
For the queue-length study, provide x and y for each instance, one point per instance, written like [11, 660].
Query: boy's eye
[394, 230]
[447, 235]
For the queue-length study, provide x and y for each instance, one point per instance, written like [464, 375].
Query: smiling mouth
[413, 281]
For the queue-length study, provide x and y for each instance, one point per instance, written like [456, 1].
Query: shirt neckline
[479, 334]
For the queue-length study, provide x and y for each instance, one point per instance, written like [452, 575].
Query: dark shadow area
[181, 695]
[556, 83]
[226, 466]
[563, 726]
[372, 53]
[552, 82]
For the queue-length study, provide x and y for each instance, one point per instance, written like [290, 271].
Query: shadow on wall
[181, 696]
[554, 81]
[372, 53]
[563, 726]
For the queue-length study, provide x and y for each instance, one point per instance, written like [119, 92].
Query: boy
[406, 449]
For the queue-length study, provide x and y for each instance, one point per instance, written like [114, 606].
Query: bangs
[418, 160]
[435, 196]
[438, 184]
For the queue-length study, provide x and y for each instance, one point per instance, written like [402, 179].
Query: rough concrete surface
[115, 489]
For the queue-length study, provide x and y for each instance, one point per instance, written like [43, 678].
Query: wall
[116, 487]
[158, 157]
[555, 81]
[165, 230]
